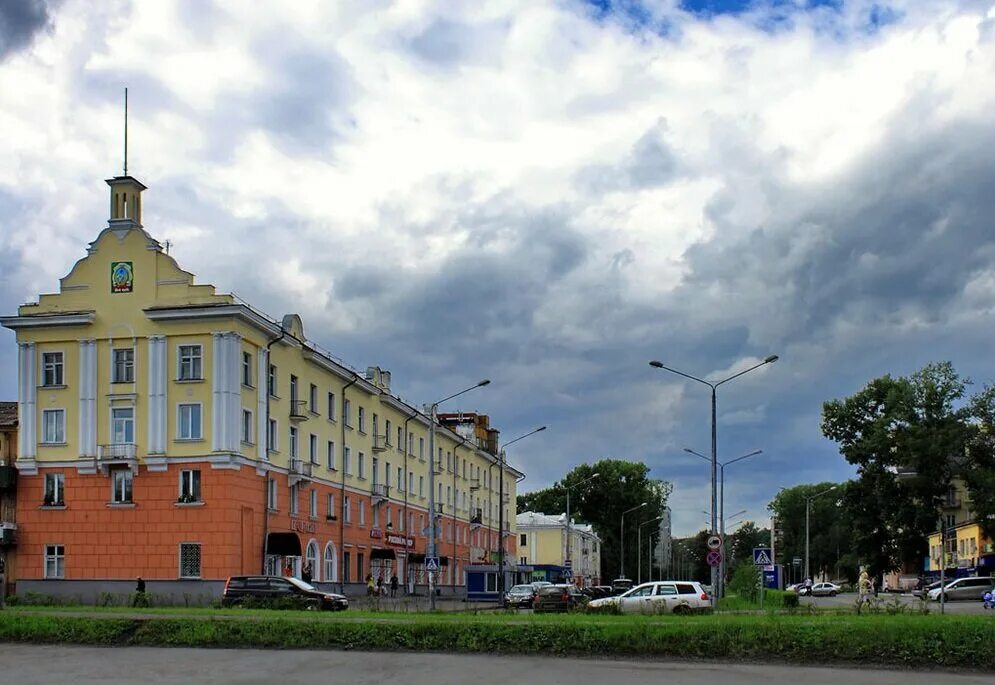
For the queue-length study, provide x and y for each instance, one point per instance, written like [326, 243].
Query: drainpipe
[342, 418]
[264, 383]
[404, 523]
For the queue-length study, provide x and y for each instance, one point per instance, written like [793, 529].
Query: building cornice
[47, 320]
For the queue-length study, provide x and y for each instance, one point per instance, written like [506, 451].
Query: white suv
[664, 597]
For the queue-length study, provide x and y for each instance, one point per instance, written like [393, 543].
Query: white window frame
[58, 489]
[58, 369]
[313, 448]
[362, 513]
[361, 471]
[272, 380]
[200, 560]
[57, 439]
[274, 436]
[421, 486]
[312, 399]
[55, 554]
[313, 509]
[189, 478]
[330, 455]
[247, 369]
[346, 412]
[331, 407]
[346, 458]
[126, 476]
[421, 449]
[124, 366]
[346, 509]
[294, 438]
[295, 505]
[330, 503]
[195, 361]
[361, 419]
[401, 485]
[248, 427]
[272, 495]
[179, 422]
[114, 421]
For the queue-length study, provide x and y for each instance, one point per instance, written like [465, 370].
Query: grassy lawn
[881, 639]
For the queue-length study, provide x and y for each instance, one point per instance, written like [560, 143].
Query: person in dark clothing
[393, 585]
[306, 573]
[140, 599]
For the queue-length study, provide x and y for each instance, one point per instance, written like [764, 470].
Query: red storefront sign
[400, 540]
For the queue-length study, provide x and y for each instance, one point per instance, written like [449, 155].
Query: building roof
[8, 414]
[534, 519]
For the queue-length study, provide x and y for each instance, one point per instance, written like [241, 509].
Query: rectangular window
[52, 369]
[271, 439]
[421, 486]
[421, 448]
[293, 388]
[346, 453]
[247, 369]
[293, 442]
[190, 485]
[55, 489]
[123, 425]
[247, 426]
[347, 506]
[190, 363]
[271, 500]
[124, 366]
[386, 435]
[386, 475]
[294, 504]
[330, 455]
[189, 423]
[313, 399]
[376, 472]
[55, 561]
[362, 465]
[313, 449]
[331, 406]
[359, 566]
[53, 422]
[400, 478]
[189, 560]
[362, 420]
[400, 439]
[314, 503]
[346, 413]
[330, 501]
[411, 481]
[346, 567]
[523, 539]
[271, 381]
[121, 486]
[362, 513]
[411, 443]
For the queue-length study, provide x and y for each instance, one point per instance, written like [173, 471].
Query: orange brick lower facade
[86, 537]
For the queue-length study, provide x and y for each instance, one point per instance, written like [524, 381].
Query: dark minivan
[238, 588]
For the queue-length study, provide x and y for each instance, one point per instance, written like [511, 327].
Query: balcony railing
[380, 493]
[300, 469]
[298, 410]
[122, 451]
[380, 443]
[477, 518]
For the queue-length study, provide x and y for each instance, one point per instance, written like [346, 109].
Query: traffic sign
[714, 542]
[762, 556]
[714, 558]
[431, 563]
[568, 563]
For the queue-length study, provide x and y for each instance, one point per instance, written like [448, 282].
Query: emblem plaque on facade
[122, 277]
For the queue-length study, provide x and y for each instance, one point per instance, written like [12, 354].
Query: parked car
[606, 590]
[924, 591]
[963, 588]
[824, 590]
[620, 585]
[520, 596]
[666, 597]
[558, 598]
[238, 588]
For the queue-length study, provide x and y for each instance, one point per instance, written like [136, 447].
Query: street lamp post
[808, 507]
[502, 457]
[621, 564]
[722, 508]
[433, 410]
[568, 488]
[714, 386]
[639, 554]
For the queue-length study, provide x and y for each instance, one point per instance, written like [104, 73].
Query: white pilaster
[262, 397]
[158, 383]
[87, 398]
[27, 398]
[217, 392]
[233, 366]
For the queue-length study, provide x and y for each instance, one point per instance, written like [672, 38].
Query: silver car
[964, 588]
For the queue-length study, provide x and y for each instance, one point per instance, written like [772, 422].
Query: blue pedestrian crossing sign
[431, 563]
[762, 556]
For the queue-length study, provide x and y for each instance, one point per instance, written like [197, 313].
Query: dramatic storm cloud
[548, 194]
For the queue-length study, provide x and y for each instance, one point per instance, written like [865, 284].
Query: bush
[745, 582]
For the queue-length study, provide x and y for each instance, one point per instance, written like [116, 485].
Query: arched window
[312, 560]
[331, 567]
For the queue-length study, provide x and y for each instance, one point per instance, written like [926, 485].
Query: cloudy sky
[545, 193]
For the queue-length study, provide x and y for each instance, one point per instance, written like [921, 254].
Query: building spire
[126, 191]
[125, 131]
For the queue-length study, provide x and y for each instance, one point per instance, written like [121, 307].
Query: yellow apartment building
[542, 544]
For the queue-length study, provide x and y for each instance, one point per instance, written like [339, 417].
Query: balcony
[477, 519]
[298, 410]
[300, 470]
[123, 453]
[474, 484]
[380, 494]
[381, 443]
[8, 534]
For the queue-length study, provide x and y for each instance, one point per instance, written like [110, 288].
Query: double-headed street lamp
[720, 589]
[714, 386]
[432, 411]
[639, 555]
[621, 564]
[808, 507]
[568, 489]
[501, 456]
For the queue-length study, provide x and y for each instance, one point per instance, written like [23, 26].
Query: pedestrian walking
[864, 586]
[369, 584]
[306, 573]
[141, 599]
[393, 585]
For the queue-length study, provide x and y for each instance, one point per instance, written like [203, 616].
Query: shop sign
[376, 533]
[400, 540]
[303, 526]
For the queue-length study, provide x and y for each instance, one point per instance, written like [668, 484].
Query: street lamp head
[771, 359]
[643, 504]
[487, 381]
[656, 365]
[540, 429]
[595, 474]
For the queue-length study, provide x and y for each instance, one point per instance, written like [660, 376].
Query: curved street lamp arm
[659, 365]
[769, 360]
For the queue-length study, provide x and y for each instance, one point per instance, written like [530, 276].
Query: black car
[520, 596]
[558, 598]
[262, 588]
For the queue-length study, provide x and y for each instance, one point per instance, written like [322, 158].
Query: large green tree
[826, 527]
[619, 486]
[908, 438]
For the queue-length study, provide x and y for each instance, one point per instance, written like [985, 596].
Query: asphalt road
[849, 599]
[48, 664]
